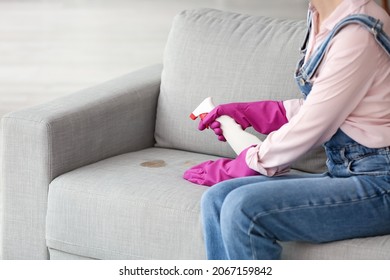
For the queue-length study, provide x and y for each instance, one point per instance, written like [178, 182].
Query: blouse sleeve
[292, 107]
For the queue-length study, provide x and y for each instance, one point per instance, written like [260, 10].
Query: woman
[345, 78]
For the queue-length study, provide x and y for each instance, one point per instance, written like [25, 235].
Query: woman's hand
[263, 116]
[211, 172]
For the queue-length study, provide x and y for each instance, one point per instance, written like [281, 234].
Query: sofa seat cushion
[133, 206]
[137, 206]
[370, 248]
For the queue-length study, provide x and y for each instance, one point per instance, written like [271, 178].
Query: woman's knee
[218, 192]
[214, 196]
[234, 211]
[242, 205]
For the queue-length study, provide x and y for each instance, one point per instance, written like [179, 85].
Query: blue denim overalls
[345, 156]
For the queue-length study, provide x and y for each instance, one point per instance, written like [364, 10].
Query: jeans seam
[252, 223]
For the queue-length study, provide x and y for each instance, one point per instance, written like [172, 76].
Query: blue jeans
[245, 218]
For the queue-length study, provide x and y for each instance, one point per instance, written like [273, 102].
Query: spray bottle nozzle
[203, 109]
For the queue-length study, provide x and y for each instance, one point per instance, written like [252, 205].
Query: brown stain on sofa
[154, 163]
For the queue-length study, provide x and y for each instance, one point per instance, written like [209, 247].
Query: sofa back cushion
[233, 58]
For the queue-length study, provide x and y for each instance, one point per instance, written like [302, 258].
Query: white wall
[54, 47]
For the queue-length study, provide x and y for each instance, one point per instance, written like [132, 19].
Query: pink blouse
[351, 91]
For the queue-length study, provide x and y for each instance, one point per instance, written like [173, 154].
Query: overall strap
[373, 25]
[308, 30]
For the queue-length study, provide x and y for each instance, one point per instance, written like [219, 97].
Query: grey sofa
[98, 174]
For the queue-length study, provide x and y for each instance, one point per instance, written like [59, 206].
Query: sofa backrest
[233, 58]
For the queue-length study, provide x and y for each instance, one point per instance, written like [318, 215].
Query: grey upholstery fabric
[24, 185]
[60, 255]
[232, 58]
[133, 206]
[371, 248]
[48, 140]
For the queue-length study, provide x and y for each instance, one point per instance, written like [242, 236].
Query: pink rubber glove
[211, 172]
[264, 116]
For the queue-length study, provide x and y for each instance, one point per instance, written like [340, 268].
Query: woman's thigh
[219, 191]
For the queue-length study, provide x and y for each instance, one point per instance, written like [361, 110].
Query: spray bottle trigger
[201, 116]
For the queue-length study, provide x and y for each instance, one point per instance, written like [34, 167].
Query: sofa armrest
[45, 141]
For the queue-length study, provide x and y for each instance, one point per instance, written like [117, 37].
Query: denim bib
[305, 71]
[345, 156]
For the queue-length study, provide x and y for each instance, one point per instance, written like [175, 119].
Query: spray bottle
[237, 138]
